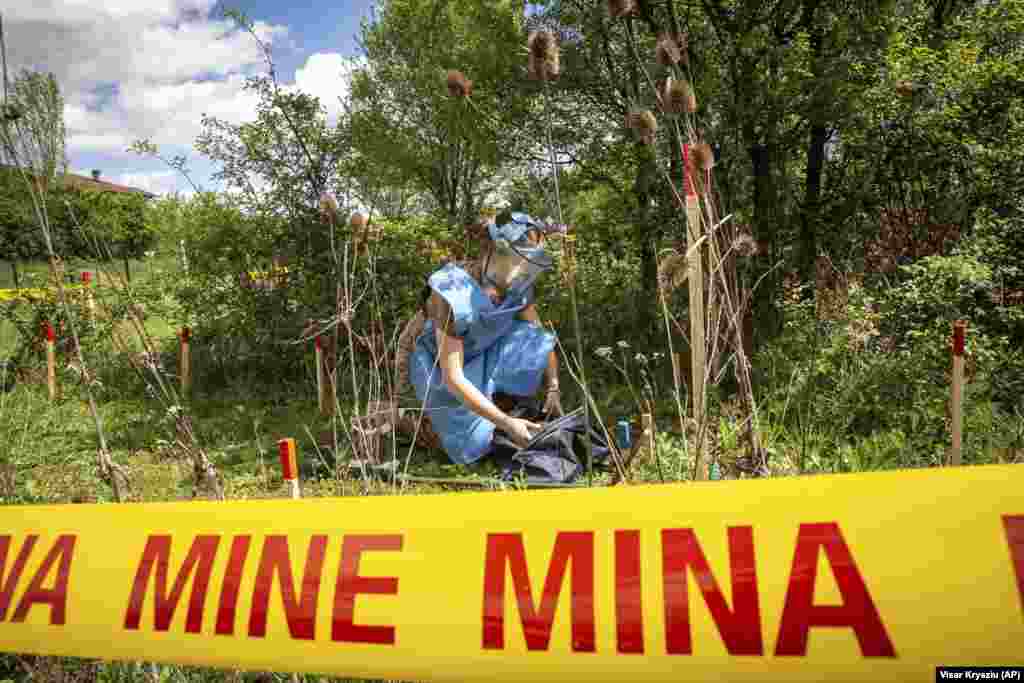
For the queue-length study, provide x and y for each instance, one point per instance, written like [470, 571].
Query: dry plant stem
[675, 375]
[204, 470]
[589, 399]
[572, 285]
[117, 475]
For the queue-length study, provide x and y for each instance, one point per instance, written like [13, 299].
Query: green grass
[35, 274]
[49, 448]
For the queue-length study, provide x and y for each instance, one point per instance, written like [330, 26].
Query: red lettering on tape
[740, 628]
[858, 611]
[229, 588]
[507, 550]
[11, 580]
[349, 584]
[629, 616]
[1013, 525]
[56, 597]
[156, 556]
[301, 614]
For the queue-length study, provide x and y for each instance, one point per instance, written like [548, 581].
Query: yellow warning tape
[870, 577]
[34, 293]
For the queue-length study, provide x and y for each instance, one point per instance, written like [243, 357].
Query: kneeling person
[483, 337]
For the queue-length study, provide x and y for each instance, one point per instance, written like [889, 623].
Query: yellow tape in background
[871, 577]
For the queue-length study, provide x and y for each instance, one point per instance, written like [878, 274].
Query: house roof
[87, 183]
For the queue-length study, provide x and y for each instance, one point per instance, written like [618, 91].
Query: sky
[149, 69]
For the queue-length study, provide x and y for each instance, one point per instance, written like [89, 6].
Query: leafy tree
[32, 138]
[407, 127]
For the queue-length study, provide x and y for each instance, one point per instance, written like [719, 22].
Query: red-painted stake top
[86, 277]
[688, 180]
[959, 330]
[318, 343]
[186, 334]
[286, 449]
[48, 329]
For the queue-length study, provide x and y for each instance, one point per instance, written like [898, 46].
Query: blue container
[623, 437]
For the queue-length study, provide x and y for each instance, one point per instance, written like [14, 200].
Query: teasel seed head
[620, 8]
[677, 96]
[328, 207]
[458, 85]
[643, 124]
[703, 157]
[666, 51]
[544, 56]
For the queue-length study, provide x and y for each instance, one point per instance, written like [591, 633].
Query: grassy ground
[34, 274]
[47, 450]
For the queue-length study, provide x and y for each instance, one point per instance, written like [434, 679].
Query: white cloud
[150, 69]
[131, 69]
[157, 182]
[325, 75]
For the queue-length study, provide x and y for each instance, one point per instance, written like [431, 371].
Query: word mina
[573, 552]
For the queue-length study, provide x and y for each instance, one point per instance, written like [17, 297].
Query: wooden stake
[643, 447]
[696, 285]
[324, 387]
[319, 375]
[677, 366]
[90, 302]
[289, 465]
[185, 361]
[51, 362]
[956, 406]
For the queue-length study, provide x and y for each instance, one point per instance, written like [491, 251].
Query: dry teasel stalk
[620, 8]
[643, 124]
[458, 85]
[543, 49]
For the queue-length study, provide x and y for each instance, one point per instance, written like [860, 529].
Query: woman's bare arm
[451, 360]
[551, 371]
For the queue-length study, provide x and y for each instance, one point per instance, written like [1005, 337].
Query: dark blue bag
[556, 455]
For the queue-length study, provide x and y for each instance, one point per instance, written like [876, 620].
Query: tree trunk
[766, 317]
[811, 212]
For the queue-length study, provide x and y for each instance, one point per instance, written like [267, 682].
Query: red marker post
[289, 465]
[51, 360]
[185, 361]
[321, 392]
[90, 302]
[956, 399]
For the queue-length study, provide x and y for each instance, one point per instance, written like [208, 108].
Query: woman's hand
[553, 403]
[520, 431]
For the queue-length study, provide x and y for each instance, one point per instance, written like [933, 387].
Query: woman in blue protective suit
[483, 337]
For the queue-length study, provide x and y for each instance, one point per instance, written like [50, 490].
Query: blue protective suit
[502, 353]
